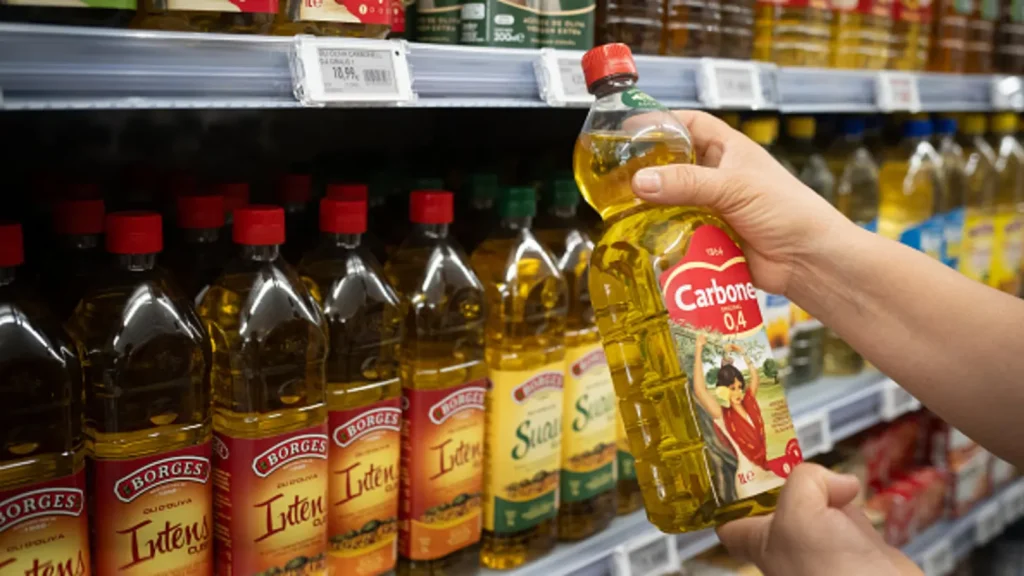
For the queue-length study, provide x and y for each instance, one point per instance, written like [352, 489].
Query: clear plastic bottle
[270, 346]
[950, 206]
[950, 28]
[478, 215]
[78, 252]
[793, 35]
[43, 446]
[677, 313]
[860, 34]
[1008, 231]
[979, 198]
[910, 35]
[364, 392]
[1009, 44]
[353, 18]
[146, 361]
[442, 359]
[737, 29]
[589, 423]
[294, 192]
[374, 206]
[636, 23]
[765, 131]
[981, 36]
[693, 28]
[910, 186]
[199, 251]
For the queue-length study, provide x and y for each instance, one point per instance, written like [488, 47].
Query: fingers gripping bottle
[677, 310]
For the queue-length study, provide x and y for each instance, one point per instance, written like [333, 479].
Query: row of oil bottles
[243, 416]
[952, 187]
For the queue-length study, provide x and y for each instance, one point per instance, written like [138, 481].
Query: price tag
[814, 434]
[652, 557]
[896, 401]
[350, 71]
[729, 84]
[1012, 502]
[897, 92]
[1007, 93]
[938, 560]
[560, 78]
[988, 523]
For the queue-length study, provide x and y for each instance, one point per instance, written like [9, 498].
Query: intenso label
[44, 530]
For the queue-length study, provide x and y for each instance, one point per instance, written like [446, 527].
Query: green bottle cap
[482, 185]
[564, 193]
[517, 202]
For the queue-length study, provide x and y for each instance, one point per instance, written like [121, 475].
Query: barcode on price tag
[350, 71]
[989, 523]
[938, 560]
[653, 558]
[813, 434]
[896, 401]
[729, 84]
[560, 78]
[897, 92]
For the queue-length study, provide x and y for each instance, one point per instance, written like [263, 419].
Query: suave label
[156, 514]
[734, 383]
[442, 469]
[362, 517]
[524, 439]
[352, 11]
[270, 504]
[625, 464]
[588, 425]
[44, 528]
[976, 247]
[1007, 249]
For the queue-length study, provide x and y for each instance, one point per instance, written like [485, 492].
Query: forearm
[953, 343]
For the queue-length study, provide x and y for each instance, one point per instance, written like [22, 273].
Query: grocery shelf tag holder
[723, 83]
[1012, 502]
[560, 79]
[988, 523]
[350, 72]
[897, 92]
[938, 560]
[1007, 93]
[896, 401]
[650, 555]
[814, 434]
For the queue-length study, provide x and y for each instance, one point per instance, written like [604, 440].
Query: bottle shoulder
[30, 333]
[507, 258]
[345, 280]
[426, 270]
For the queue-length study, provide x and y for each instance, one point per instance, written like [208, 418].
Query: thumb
[719, 189]
[812, 488]
[747, 538]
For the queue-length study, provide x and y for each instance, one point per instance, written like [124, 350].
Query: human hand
[815, 530]
[782, 222]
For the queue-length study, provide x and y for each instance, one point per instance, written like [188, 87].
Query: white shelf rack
[52, 67]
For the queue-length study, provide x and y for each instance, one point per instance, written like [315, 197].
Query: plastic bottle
[146, 361]
[629, 498]
[1008, 226]
[737, 29]
[236, 195]
[651, 285]
[199, 251]
[873, 137]
[360, 192]
[860, 34]
[1009, 44]
[793, 33]
[478, 216]
[636, 24]
[951, 25]
[249, 17]
[979, 199]
[950, 205]
[692, 27]
[353, 18]
[765, 131]
[363, 392]
[910, 186]
[294, 193]
[910, 35]
[981, 36]
[588, 478]
[43, 446]
[105, 13]
[442, 360]
[78, 252]
[270, 347]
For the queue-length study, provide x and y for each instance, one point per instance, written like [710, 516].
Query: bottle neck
[482, 204]
[614, 84]
[564, 212]
[517, 223]
[200, 235]
[261, 253]
[7, 275]
[341, 240]
[136, 262]
[80, 242]
[433, 230]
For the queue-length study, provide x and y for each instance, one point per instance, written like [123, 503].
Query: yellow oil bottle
[910, 186]
[478, 215]
[43, 458]
[693, 28]
[270, 346]
[148, 420]
[678, 317]
[950, 205]
[789, 34]
[444, 380]
[526, 309]
[588, 478]
[199, 251]
[860, 34]
[979, 198]
[629, 497]
[981, 36]
[1008, 225]
[910, 35]
[363, 392]
[949, 35]
[353, 18]
[78, 227]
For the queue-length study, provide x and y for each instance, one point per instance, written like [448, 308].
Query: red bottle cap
[258, 225]
[294, 188]
[348, 191]
[78, 217]
[12, 248]
[339, 216]
[199, 212]
[134, 233]
[430, 207]
[607, 60]
[236, 195]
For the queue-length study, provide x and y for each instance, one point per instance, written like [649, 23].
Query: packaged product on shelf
[43, 481]
[910, 187]
[270, 438]
[478, 216]
[355, 18]
[239, 16]
[150, 442]
[199, 252]
[950, 26]
[909, 505]
[911, 34]
[981, 35]
[589, 423]
[707, 345]
[294, 193]
[737, 29]
[630, 498]
[364, 322]
[77, 254]
[860, 34]
[979, 199]
[638, 25]
[444, 380]
[567, 24]
[1008, 224]
[527, 301]
[891, 449]
[1009, 44]
[692, 28]
[793, 32]
[105, 13]
[490, 23]
[950, 207]
[438, 21]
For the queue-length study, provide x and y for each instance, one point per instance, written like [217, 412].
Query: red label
[270, 503]
[256, 6]
[364, 458]
[156, 514]
[881, 8]
[912, 10]
[44, 529]
[398, 16]
[369, 11]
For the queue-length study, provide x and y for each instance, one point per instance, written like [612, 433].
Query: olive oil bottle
[78, 227]
[478, 216]
[527, 303]
[199, 251]
[270, 347]
[43, 457]
[444, 380]
[363, 392]
[1008, 224]
[589, 476]
[979, 198]
[148, 418]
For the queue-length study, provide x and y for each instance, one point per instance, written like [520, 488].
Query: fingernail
[647, 181]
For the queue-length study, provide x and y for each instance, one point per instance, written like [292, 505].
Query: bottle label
[270, 504]
[625, 463]
[588, 426]
[914, 11]
[871, 226]
[964, 7]
[735, 387]
[117, 4]
[976, 248]
[497, 23]
[244, 6]
[989, 10]
[927, 237]
[44, 528]
[633, 98]
[353, 11]
[364, 459]
[568, 24]
[524, 440]
[398, 16]
[1007, 249]
[952, 236]
[156, 514]
[437, 22]
[442, 469]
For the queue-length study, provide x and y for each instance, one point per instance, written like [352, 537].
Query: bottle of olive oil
[630, 499]
[42, 462]
[526, 320]
[148, 418]
[270, 420]
[478, 216]
[78, 227]
[910, 187]
[444, 380]
[199, 251]
[588, 478]
[1008, 237]
[363, 392]
[979, 198]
